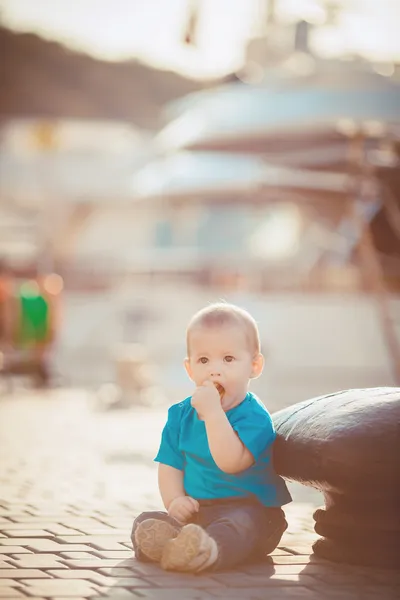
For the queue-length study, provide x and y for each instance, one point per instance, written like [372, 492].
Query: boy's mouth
[220, 390]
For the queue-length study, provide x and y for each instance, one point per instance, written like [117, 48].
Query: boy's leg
[150, 532]
[274, 528]
[224, 536]
[238, 532]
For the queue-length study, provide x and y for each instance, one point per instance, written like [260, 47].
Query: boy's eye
[203, 360]
[229, 358]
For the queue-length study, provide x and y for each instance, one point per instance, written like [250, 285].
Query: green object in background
[33, 326]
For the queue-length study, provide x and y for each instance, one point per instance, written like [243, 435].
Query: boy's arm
[227, 449]
[233, 451]
[178, 505]
[170, 483]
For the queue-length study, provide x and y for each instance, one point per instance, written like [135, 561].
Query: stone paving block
[61, 548]
[118, 594]
[42, 545]
[240, 579]
[93, 563]
[79, 513]
[176, 594]
[103, 531]
[23, 574]
[281, 580]
[308, 569]
[17, 542]
[260, 593]
[33, 520]
[340, 578]
[237, 579]
[4, 550]
[131, 563]
[117, 522]
[293, 536]
[293, 559]
[5, 512]
[42, 561]
[100, 542]
[113, 511]
[121, 554]
[280, 552]
[116, 571]
[131, 582]
[80, 522]
[84, 574]
[260, 568]
[34, 533]
[53, 509]
[176, 580]
[30, 525]
[145, 569]
[79, 555]
[299, 549]
[9, 583]
[127, 579]
[127, 546]
[58, 587]
[10, 592]
[13, 525]
[58, 530]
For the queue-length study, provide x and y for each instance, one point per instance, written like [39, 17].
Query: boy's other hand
[206, 400]
[182, 508]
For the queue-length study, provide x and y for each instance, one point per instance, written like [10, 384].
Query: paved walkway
[72, 478]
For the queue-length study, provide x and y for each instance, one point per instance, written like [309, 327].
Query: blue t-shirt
[184, 446]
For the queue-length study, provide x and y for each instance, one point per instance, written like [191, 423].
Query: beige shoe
[193, 550]
[151, 536]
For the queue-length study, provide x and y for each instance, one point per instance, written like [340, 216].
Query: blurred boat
[303, 121]
[211, 174]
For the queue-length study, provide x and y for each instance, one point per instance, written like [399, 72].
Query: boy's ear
[186, 362]
[257, 367]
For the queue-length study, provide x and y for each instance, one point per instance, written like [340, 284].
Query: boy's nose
[215, 372]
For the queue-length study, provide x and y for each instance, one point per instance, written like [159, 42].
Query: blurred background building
[244, 150]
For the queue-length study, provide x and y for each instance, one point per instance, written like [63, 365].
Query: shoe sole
[179, 552]
[152, 535]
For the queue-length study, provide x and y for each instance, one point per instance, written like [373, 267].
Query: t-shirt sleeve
[256, 431]
[168, 452]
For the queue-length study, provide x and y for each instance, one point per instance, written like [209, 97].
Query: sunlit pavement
[72, 478]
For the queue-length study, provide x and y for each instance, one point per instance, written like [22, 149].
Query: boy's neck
[236, 402]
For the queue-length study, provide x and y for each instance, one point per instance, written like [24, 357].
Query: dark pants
[245, 531]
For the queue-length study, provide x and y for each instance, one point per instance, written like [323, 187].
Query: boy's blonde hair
[223, 313]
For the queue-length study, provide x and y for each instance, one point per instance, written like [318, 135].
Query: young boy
[216, 478]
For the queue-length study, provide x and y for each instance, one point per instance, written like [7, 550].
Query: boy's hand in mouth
[205, 400]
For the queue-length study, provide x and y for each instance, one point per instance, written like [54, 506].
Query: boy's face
[222, 354]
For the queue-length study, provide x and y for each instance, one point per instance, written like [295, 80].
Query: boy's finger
[184, 518]
[194, 503]
[208, 383]
[180, 518]
[184, 510]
